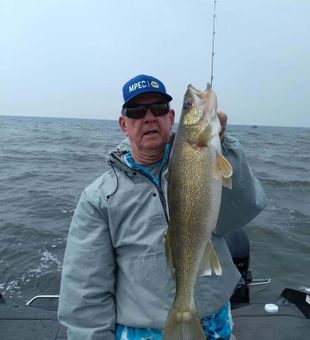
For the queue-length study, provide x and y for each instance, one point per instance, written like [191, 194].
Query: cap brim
[164, 95]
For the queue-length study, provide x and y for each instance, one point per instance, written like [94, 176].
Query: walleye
[197, 171]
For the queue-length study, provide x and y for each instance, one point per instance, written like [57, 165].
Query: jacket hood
[119, 151]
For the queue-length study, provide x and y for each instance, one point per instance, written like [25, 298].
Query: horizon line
[116, 119]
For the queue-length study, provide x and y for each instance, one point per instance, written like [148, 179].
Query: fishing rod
[213, 42]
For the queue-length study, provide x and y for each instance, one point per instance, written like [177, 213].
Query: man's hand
[223, 120]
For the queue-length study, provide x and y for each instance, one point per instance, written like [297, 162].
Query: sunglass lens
[136, 112]
[160, 109]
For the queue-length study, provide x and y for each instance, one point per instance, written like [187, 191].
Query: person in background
[115, 280]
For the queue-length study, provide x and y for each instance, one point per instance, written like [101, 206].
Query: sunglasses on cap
[139, 111]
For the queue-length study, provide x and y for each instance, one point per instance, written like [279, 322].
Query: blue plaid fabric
[217, 326]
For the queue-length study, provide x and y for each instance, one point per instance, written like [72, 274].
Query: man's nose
[149, 115]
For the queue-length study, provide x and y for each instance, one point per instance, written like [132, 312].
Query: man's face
[147, 135]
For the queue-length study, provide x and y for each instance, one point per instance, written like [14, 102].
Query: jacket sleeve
[246, 199]
[86, 303]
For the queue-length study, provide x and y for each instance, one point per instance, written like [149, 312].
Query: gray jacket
[115, 269]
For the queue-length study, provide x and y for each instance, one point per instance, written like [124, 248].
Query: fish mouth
[197, 92]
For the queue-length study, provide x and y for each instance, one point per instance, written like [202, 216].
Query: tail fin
[183, 325]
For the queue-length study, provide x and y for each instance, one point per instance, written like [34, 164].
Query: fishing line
[213, 42]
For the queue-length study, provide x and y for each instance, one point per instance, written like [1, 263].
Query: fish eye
[187, 105]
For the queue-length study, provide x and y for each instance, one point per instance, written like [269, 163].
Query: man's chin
[153, 146]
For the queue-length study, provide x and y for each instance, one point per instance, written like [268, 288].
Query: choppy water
[45, 163]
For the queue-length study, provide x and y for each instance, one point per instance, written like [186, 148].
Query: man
[115, 280]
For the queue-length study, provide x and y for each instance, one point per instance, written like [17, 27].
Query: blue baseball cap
[143, 84]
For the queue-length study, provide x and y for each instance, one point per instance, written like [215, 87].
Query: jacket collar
[116, 156]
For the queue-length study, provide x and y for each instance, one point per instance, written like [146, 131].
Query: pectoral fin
[203, 138]
[223, 171]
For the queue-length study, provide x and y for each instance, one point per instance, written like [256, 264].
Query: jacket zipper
[158, 187]
[162, 197]
[163, 202]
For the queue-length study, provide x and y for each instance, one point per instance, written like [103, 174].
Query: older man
[115, 280]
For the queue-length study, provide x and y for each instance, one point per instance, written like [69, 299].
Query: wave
[303, 184]
[47, 263]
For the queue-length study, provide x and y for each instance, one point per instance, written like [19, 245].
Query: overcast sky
[70, 58]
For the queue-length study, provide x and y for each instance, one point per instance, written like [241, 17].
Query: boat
[286, 318]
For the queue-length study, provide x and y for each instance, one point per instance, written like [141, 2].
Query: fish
[197, 172]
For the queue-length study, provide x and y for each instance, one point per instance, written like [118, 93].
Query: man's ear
[122, 124]
[171, 117]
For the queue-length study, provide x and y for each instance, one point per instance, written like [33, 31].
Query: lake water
[46, 162]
